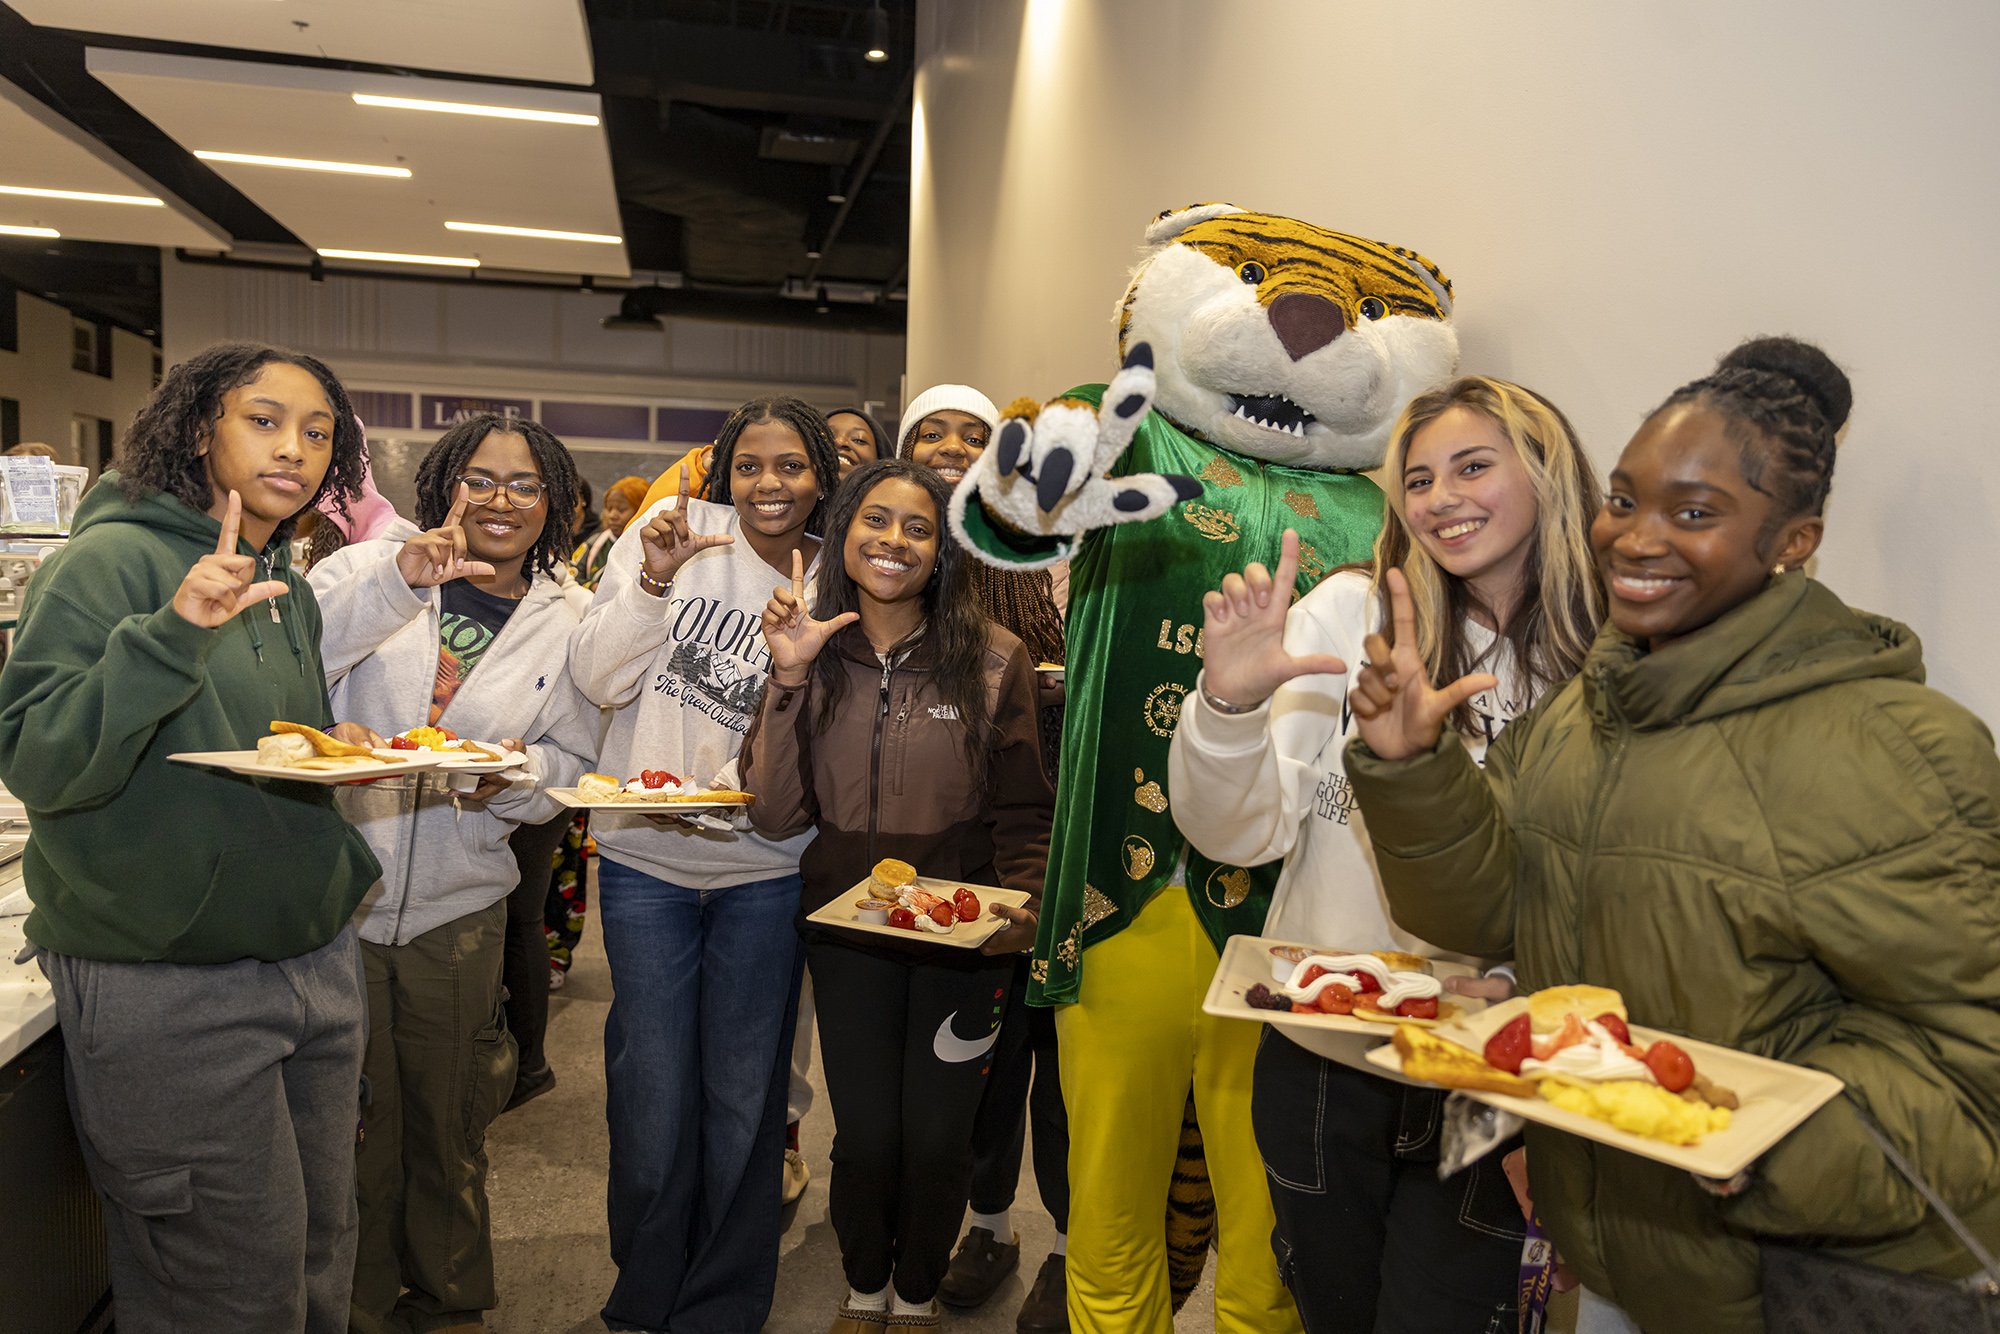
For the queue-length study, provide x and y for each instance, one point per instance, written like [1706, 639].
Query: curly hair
[440, 470]
[954, 629]
[160, 451]
[805, 422]
[1786, 402]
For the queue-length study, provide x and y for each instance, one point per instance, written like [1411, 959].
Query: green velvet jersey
[1133, 648]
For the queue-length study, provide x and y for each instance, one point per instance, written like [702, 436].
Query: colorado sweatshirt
[685, 674]
[133, 859]
[442, 856]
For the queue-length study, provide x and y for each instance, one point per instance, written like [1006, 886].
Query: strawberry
[1616, 1028]
[1419, 1007]
[1506, 1049]
[944, 914]
[654, 779]
[1336, 999]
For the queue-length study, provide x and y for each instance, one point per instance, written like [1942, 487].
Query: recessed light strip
[28, 231]
[83, 196]
[302, 164]
[536, 232]
[472, 109]
[384, 257]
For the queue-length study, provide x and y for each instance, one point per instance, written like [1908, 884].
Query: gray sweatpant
[216, 1106]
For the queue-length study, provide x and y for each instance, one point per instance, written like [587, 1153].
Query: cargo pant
[215, 1107]
[440, 1065]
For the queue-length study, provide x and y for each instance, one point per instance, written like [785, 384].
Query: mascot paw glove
[1046, 470]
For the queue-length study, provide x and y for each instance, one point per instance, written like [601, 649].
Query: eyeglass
[522, 493]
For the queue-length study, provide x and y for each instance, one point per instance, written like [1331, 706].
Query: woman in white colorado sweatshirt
[1489, 505]
[699, 916]
[465, 626]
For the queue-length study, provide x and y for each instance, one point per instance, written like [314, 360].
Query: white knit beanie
[939, 397]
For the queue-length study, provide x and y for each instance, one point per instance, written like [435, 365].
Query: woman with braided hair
[946, 428]
[1749, 815]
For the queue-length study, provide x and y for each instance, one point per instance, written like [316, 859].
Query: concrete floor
[548, 1166]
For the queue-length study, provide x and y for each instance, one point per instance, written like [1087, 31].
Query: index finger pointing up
[684, 488]
[1400, 612]
[458, 505]
[798, 574]
[232, 519]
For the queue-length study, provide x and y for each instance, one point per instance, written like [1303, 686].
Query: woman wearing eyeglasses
[461, 626]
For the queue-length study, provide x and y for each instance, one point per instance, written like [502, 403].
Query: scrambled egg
[1643, 1109]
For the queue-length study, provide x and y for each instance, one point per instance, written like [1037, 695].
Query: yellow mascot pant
[1131, 1045]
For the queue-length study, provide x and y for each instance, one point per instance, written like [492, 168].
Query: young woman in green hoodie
[192, 923]
[1749, 816]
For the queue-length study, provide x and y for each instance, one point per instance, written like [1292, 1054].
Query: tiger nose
[1306, 323]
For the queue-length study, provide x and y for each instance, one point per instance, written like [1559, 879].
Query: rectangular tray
[1775, 1098]
[1246, 960]
[567, 797]
[245, 762]
[966, 935]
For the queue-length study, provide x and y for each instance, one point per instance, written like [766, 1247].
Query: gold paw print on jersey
[1139, 857]
[1148, 795]
[1233, 882]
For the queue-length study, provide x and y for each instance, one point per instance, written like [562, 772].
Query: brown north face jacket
[888, 778]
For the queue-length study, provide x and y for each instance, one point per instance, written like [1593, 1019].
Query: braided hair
[1785, 402]
[1022, 602]
[160, 450]
[805, 422]
[438, 474]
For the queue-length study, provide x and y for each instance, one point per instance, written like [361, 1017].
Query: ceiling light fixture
[878, 35]
[473, 109]
[302, 164]
[537, 233]
[453, 261]
[28, 231]
[83, 196]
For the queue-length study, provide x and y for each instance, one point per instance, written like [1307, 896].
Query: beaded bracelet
[657, 587]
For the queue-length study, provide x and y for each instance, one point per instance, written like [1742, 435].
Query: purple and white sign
[443, 411]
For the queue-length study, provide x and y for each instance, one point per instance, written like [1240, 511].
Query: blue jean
[697, 1059]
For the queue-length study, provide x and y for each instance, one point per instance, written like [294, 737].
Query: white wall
[52, 394]
[1619, 191]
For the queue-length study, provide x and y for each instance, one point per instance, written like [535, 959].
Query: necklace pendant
[275, 619]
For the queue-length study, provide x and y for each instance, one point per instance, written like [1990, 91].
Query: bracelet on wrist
[1224, 706]
[657, 587]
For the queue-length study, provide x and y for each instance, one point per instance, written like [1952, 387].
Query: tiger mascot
[1264, 362]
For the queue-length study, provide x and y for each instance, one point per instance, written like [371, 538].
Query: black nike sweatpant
[907, 1047]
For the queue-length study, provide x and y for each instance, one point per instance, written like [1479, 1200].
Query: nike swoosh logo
[952, 1049]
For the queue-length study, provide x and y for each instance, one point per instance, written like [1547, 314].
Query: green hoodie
[1768, 835]
[133, 859]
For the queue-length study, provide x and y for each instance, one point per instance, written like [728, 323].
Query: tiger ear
[1166, 226]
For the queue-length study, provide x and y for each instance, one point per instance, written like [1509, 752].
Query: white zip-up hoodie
[1272, 782]
[380, 646]
[685, 673]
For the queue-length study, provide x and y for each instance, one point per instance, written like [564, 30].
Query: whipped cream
[1346, 969]
[1597, 1059]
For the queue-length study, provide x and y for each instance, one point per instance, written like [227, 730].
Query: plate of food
[896, 901]
[1054, 669]
[653, 787]
[307, 755]
[455, 753]
[1305, 988]
[1567, 1058]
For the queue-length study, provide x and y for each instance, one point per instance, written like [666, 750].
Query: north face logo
[946, 713]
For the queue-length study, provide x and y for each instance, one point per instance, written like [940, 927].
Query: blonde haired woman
[1489, 506]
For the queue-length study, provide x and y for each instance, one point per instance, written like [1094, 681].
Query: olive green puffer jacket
[1770, 835]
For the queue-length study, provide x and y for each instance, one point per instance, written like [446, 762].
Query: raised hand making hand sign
[790, 632]
[218, 586]
[438, 556]
[1243, 634]
[1397, 711]
[667, 542]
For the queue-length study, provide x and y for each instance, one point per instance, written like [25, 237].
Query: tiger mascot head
[1282, 340]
